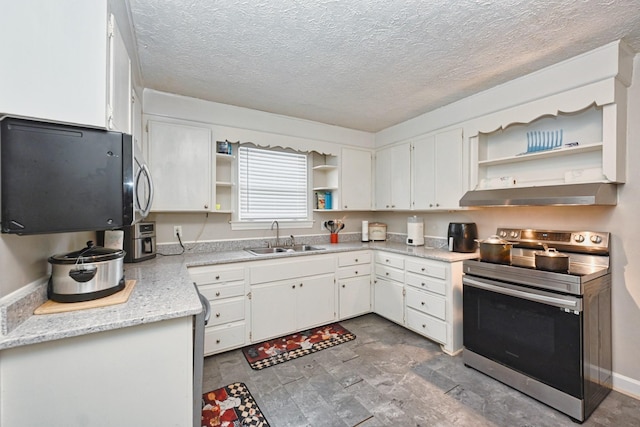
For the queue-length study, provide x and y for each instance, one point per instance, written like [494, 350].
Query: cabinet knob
[423, 269]
[424, 326]
[218, 341]
[345, 206]
[422, 303]
[422, 284]
[206, 206]
[217, 294]
[430, 205]
[387, 273]
[437, 204]
[356, 271]
[217, 314]
[344, 286]
[218, 277]
[293, 286]
[356, 259]
[300, 284]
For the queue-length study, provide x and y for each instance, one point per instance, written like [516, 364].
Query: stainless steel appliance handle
[206, 307]
[144, 169]
[509, 290]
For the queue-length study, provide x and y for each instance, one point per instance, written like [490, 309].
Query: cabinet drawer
[427, 283]
[218, 339]
[210, 274]
[354, 271]
[390, 273]
[428, 268]
[218, 292]
[427, 325]
[230, 310]
[352, 258]
[390, 260]
[426, 302]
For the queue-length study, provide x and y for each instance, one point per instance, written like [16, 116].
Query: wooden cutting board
[51, 307]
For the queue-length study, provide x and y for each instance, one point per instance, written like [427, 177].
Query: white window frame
[266, 224]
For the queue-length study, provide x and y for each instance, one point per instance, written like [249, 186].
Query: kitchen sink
[283, 249]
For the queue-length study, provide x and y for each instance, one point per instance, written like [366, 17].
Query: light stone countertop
[164, 291]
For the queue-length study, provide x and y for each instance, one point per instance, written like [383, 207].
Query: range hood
[553, 195]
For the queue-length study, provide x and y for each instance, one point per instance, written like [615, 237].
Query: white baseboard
[626, 385]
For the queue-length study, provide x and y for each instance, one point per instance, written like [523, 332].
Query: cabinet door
[388, 300]
[55, 61]
[383, 179]
[424, 186]
[181, 166]
[393, 177]
[315, 302]
[355, 179]
[273, 310]
[355, 296]
[119, 106]
[448, 169]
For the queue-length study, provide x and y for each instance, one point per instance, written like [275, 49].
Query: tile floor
[389, 376]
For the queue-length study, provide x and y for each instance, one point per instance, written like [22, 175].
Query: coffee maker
[462, 237]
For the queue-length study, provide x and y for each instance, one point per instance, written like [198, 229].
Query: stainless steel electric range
[547, 334]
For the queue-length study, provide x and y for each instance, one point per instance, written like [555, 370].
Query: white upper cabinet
[355, 179]
[180, 159]
[393, 178]
[437, 171]
[61, 64]
[576, 133]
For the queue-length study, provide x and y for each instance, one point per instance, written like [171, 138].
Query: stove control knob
[596, 239]
[579, 238]
[502, 233]
[514, 234]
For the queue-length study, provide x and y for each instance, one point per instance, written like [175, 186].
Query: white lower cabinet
[224, 287]
[354, 284]
[422, 294]
[108, 378]
[291, 295]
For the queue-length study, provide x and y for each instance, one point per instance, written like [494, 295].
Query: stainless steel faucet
[277, 232]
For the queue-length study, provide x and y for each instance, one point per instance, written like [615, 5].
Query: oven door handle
[544, 299]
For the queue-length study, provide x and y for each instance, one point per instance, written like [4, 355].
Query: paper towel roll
[365, 231]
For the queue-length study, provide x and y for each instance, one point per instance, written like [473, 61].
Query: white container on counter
[415, 231]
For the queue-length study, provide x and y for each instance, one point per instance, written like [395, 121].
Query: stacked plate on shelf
[543, 140]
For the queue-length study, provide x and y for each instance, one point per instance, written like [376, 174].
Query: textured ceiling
[363, 64]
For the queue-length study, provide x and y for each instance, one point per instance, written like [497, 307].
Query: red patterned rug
[231, 406]
[292, 346]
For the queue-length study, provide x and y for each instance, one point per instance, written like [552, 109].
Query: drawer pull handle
[218, 341]
[217, 294]
[218, 277]
[217, 314]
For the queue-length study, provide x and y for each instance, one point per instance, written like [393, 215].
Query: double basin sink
[283, 249]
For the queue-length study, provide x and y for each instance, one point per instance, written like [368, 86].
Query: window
[273, 185]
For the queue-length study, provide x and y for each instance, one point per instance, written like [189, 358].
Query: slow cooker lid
[89, 254]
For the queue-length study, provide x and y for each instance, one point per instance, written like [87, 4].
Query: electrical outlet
[177, 230]
[323, 225]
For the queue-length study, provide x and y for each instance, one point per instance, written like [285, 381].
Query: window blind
[272, 184]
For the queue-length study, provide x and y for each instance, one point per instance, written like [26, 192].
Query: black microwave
[59, 178]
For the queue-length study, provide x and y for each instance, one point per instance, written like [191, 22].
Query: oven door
[534, 332]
